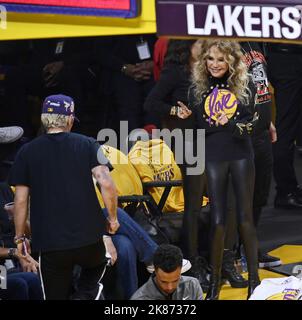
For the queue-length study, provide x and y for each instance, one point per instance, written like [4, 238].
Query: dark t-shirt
[64, 210]
[259, 86]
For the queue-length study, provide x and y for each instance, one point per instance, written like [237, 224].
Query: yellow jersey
[154, 161]
[124, 175]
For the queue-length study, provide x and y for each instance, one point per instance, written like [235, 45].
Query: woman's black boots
[253, 281]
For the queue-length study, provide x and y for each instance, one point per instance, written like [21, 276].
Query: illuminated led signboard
[110, 8]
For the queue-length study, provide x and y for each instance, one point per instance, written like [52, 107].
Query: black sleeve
[243, 126]
[157, 99]
[196, 109]
[97, 156]
[19, 174]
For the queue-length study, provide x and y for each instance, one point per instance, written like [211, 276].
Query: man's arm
[109, 194]
[21, 212]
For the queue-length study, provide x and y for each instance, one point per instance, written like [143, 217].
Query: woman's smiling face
[216, 64]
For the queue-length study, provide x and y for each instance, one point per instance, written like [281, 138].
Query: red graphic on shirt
[88, 4]
[252, 56]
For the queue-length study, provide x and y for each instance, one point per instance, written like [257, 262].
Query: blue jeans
[22, 286]
[131, 241]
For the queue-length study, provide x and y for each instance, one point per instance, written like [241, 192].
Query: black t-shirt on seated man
[64, 210]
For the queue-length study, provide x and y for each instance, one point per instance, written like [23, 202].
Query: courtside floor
[287, 253]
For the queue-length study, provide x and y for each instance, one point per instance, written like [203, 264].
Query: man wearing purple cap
[65, 216]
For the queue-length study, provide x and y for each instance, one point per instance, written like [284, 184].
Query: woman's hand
[222, 119]
[183, 111]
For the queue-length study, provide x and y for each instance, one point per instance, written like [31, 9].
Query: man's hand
[131, 71]
[273, 133]
[112, 226]
[145, 70]
[110, 248]
[28, 263]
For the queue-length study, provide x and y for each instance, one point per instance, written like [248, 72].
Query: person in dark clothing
[171, 88]
[284, 71]
[264, 133]
[129, 65]
[22, 281]
[66, 221]
[219, 98]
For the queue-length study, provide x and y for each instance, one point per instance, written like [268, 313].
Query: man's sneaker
[265, 261]
[10, 134]
[186, 266]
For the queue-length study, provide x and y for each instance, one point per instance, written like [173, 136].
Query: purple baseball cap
[59, 104]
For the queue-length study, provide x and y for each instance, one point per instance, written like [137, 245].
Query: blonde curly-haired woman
[220, 99]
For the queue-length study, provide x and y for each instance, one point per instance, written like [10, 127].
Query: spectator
[160, 50]
[263, 135]
[285, 67]
[219, 97]
[131, 241]
[66, 220]
[170, 89]
[22, 281]
[129, 65]
[167, 283]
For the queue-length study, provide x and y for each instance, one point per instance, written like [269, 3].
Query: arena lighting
[253, 19]
[109, 8]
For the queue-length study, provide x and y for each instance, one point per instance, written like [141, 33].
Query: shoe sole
[14, 139]
[270, 264]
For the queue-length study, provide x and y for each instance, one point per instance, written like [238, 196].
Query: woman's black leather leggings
[242, 174]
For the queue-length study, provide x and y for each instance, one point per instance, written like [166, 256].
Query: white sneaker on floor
[186, 266]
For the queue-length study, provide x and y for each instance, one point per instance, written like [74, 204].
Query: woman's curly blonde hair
[237, 74]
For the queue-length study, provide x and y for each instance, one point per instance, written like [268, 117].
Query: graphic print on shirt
[255, 62]
[286, 294]
[218, 101]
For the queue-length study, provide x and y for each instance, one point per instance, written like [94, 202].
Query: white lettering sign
[246, 21]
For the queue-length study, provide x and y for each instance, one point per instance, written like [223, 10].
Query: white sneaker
[10, 134]
[186, 265]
